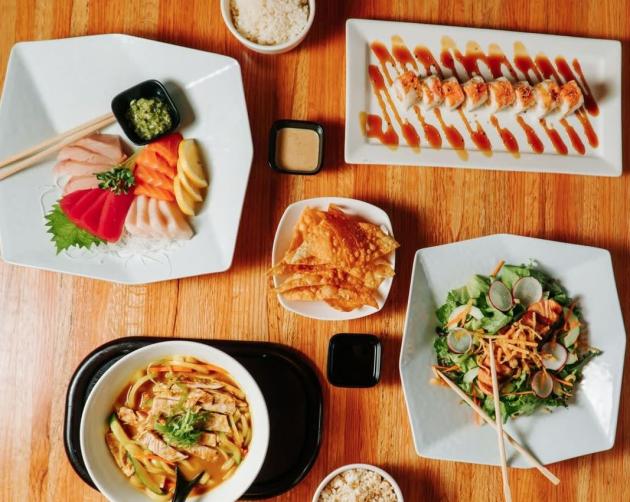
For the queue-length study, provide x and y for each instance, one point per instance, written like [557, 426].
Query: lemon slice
[189, 188]
[184, 201]
[190, 165]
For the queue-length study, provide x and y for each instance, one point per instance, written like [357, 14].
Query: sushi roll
[453, 93]
[407, 89]
[431, 92]
[570, 97]
[547, 97]
[525, 98]
[502, 94]
[476, 91]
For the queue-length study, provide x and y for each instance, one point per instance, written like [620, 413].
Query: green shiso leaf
[66, 234]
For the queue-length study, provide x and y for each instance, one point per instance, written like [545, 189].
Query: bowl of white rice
[358, 483]
[269, 26]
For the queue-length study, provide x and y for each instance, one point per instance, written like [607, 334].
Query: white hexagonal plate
[55, 85]
[442, 425]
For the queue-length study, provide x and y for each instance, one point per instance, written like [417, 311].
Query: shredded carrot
[151, 456]
[462, 315]
[161, 369]
[563, 382]
[498, 268]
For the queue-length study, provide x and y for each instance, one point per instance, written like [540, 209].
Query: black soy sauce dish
[278, 133]
[354, 360]
[147, 89]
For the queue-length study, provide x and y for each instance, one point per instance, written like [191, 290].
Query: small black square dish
[151, 116]
[296, 147]
[354, 360]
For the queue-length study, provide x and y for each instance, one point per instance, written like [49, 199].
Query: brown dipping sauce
[297, 149]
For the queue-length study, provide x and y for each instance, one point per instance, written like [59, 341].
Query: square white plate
[55, 85]
[600, 61]
[442, 426]
[282, 240]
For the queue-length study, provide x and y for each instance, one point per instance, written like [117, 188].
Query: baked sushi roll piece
[453, 93]
[431, 92]
[547, 97]
[476, 92]
[502, 94]
[407, 89]
[525, 98]
[570, 97]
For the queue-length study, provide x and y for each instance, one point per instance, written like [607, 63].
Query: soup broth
[179, 413]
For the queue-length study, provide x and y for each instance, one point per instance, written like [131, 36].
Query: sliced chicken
[78, 168]
[208, 439]
[156, 445]
[217, 423]
[119, 454]
[107, 145]
[162, 406]
[221, 403]
[127, 416]
[203, 452]
[76, 183]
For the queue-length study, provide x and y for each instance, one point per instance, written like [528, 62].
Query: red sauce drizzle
[507, 137]
[425, 56]
[430, 131]
[496, 59]
[578, 146]
[589, 100]
[411, 136]
[532, 138]
[376, 77]
[372, 127]
[555, 138]
[479, 136]
[591, 135]
[525, 64]
[403, 54]
[455, 139]
[447, 61]
[563, 68]
[546, 68]
[384, 57]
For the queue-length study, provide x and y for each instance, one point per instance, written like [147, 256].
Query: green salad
[538, 334]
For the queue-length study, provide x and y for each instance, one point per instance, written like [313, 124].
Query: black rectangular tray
[291, 388]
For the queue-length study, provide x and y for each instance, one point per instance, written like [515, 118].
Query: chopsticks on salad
[499, 425]
[31, 156]
[532, 460]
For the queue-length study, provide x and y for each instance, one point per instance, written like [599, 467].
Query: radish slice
[473, 312]
[542, 384]
[459, 340]
[527, 290]
[554, 356]
[500, 296]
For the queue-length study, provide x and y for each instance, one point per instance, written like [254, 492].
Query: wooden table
[49, 321]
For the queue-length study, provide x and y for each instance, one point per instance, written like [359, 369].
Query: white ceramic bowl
[321, 310]
[378, 470]
[267, 49]
[99, 462]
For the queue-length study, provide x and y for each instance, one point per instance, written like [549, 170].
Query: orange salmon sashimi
[167, 147]
[150, 159]
[153, 192]
[148, 176]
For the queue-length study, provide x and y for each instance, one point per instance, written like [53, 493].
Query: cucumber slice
[118, 431]
[474, 312]
[144, 477]
[571, 337]
[471, 374]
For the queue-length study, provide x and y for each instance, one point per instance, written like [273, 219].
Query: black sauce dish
[147, 89]
[354, 360]
[296, 124]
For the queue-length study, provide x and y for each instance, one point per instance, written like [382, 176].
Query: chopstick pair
[33, 155]
[532, 460]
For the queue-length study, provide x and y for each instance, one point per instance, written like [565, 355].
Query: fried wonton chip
[335, 258]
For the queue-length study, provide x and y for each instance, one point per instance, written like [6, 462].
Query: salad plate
[51, 86]
[380, 129]
[442, 426]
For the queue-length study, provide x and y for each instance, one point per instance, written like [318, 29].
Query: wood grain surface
[49, 321]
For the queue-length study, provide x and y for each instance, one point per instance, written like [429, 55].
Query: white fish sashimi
[75, 183]
[157, 219]
[107, 145]
[78, 153]
[176, 225]
[77, 168]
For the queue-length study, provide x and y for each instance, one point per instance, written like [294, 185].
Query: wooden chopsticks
[507, 494]
[532, 460]
[31, 156]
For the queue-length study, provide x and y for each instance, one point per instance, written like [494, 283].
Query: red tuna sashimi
[90, 220]
[167, 147]
[76, 203]
[114, 215]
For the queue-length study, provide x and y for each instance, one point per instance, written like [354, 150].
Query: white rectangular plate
[55, 85]
[600, 61]
[442, 425]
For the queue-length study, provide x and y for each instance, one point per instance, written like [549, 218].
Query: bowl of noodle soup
[174, 406]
